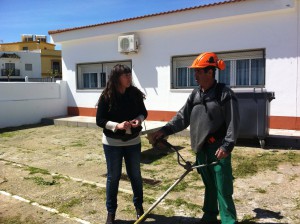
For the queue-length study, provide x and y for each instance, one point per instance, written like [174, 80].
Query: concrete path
[280, 137]
[83, 121]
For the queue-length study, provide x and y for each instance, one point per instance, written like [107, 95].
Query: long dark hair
[110, 92]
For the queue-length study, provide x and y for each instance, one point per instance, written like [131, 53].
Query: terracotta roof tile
[142, 17]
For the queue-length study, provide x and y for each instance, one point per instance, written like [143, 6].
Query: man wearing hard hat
[212, 112]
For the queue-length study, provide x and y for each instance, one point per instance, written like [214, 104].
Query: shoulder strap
[193, 95]
[219, 90]
[218, 94]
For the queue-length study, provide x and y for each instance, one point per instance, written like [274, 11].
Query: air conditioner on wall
[128, 44]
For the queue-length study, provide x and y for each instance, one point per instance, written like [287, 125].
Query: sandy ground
[56, 174]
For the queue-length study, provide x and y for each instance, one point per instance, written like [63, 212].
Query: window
[41, 38]
[10, 66]
[95, 75]
[243, 69]
[56, 67]
[89, 80]
[184, 76]
[28, 67]
[25, 48]
[10, 70]
[27, 38]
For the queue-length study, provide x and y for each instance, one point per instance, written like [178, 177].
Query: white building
[258, 39]
[20, 64]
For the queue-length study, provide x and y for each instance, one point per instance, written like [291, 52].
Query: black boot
[139, 212]
[110, 218]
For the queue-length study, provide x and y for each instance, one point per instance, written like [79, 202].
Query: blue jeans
[114, 157]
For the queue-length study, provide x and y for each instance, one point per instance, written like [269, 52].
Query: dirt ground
[57, 174]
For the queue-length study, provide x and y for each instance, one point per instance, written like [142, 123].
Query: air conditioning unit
[128, 44]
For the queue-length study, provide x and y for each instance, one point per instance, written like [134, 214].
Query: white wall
[237, 26]
[24, 103]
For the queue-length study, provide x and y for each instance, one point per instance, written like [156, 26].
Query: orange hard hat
[208, 59]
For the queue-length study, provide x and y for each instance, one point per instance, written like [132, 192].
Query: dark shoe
[110, 218]
[139, 212]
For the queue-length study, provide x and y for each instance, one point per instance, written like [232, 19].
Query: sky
[19, 17]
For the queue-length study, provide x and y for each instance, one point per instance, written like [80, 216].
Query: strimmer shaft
[143, 217]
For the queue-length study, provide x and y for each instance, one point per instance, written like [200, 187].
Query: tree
[9, 73]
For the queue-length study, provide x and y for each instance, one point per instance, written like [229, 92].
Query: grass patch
[78, 144]
[41, 181]
[60, 177]
[169, 212]
[18, 220]
[65, 208]
[7, 134]
[248, 219]
[101, 191]
[250, 163]
[181, 186]
[149, 200]
[145, 143]
[89, 185]
[297, 200]
[35, 170]
[181, 202]
[260, 190]
[93, 212]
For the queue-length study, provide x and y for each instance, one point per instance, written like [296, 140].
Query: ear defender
[221, 64]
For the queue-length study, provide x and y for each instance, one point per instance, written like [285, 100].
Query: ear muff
[221, 64]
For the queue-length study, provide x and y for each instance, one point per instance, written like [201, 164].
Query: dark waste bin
[254, 115]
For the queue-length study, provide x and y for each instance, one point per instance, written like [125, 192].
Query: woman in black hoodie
[121, 111]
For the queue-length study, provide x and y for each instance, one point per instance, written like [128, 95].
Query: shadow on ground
[151, 155]
[265, 213]
[271, 142]
[23, 127]
[161, 219]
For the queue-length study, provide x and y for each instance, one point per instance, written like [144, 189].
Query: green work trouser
[218, 181]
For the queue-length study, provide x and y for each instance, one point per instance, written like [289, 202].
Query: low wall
[24, 103]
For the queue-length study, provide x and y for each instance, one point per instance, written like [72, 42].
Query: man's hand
[221, 154]
[157, 135]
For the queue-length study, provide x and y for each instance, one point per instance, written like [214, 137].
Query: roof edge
[142, 17]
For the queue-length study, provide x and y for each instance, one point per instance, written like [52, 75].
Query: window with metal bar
[243, 69]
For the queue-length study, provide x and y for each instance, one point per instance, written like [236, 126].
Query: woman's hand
[135, 123]
[124, 125]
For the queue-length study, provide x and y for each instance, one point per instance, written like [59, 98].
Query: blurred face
[205, 80]
[125, 81]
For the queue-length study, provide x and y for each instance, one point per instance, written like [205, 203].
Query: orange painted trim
[154, 115]
[82, 111]
[276, 122]
[91, 112]
[281, 122]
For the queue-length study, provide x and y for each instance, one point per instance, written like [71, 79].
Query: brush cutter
[188, 168]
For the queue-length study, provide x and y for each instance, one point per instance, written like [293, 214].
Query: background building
[33, 57]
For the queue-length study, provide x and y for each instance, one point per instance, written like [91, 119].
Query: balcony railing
[13, 72]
